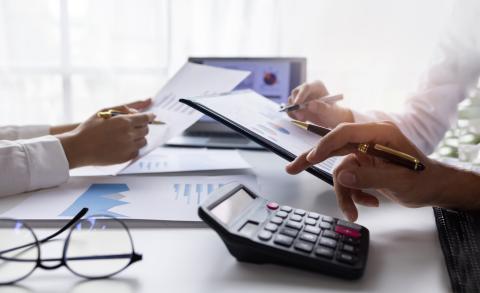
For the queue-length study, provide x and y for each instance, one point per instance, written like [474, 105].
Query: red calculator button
[347, 231]
[272, 205]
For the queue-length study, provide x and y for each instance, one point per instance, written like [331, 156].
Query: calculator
[257, 230]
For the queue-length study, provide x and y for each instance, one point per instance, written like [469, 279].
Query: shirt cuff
[25, 132]
[48, 164]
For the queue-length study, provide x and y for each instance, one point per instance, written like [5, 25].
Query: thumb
[141, 104]
[389, 177]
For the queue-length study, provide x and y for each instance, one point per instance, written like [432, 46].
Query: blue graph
[194, 192]
[99, 199]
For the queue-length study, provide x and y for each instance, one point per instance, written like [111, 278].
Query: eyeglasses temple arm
[79, 215]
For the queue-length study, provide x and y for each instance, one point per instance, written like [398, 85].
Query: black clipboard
[269, 145]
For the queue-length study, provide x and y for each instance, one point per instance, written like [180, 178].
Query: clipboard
[199, 103]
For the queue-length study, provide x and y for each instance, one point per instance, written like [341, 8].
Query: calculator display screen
[233, 206]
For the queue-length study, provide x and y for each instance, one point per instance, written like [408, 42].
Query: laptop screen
[273, 78]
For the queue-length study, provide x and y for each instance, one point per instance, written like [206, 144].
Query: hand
[99, 141]
[318, 112]
[135, 106]
[359, 171]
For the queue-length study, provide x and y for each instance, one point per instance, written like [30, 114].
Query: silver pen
[326, 99]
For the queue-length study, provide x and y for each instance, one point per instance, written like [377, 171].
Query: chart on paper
[164, 160]
[262, 116]
[170, 102]
[166, 198]
[194, 193]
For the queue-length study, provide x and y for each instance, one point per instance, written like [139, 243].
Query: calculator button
[272, 205]
[330, 234]
[289, 232]
[276, 220]
[310, 221]
[327, 242]
[294, 225]
[265, 235]
[286, 209]
[271, 227]
[283, 240]
[300, 212]
[346, 258]
[348, 248]
[308, 237]
[296, 218]
[313, 216]
[324, 251]
[304, 246]
[312, 229]
[351, 241]
[281, 214]
[349, 225]
[327, 219]
[347, 232]
[325, 225]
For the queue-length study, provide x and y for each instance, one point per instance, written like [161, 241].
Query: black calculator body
[259, 231]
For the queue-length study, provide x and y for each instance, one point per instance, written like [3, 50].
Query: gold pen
[112, 113]
[376, 150]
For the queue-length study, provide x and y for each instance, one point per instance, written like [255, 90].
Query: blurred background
[61, 60]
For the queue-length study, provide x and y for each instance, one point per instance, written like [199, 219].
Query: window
[61, 60]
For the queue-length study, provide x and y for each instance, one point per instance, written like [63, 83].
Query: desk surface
[405, 254]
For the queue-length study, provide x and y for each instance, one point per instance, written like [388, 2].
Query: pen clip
[108, 114]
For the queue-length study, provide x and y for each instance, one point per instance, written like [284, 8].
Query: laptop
[273, 78]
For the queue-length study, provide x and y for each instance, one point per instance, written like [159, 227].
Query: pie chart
[270, 78]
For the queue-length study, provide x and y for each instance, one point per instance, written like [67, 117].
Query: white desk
[405, 254]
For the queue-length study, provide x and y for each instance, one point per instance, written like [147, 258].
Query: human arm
[432, 109]
[438, 185]
[35, 163]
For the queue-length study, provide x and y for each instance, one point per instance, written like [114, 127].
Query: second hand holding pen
[112, 113]
[376, 150]
[326, 99]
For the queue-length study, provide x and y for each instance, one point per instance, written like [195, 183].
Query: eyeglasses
[96, 247]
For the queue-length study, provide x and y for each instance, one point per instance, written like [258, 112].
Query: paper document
[261, 116]
[164, 159]
[190, 81]
[172, 198]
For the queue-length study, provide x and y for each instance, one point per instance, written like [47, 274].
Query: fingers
[348, 196]
[303, 93]
[345, 134]
[141, 119]
[388, 176]
[308, 91]
[345, 201]
[298, 165]
[141, 104]
[365, 199]
[140, 143]
[301, 162]
[133, 107]
[140, 132]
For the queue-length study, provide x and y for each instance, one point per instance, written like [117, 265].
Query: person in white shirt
[35, 157]
[429, 112]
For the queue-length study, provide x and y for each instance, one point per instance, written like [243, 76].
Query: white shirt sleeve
[23, 132]
[30, 164]
[432, 110]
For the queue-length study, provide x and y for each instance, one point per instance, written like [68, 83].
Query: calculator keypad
[312, 233]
